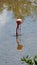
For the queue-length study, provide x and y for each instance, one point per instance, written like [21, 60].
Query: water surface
[9, 54]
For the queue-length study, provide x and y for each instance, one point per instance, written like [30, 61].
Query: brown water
[12, 48]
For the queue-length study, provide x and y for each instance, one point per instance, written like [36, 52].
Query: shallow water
[9, 54]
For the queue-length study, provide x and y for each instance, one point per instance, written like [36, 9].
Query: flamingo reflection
[19, 46]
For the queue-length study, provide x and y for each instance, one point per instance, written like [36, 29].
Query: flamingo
[18, 21]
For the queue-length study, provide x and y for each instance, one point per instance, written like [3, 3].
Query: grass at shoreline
[29, 60]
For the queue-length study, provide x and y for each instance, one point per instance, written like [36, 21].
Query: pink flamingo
[18, 21]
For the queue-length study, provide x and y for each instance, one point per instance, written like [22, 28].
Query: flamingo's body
[18, 21]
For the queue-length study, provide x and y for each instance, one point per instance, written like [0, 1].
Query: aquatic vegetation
[29, 60]
[26, 8]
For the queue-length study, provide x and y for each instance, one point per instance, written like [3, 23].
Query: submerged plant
[30, 60]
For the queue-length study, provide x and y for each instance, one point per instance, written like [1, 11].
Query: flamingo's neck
[17, 30]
